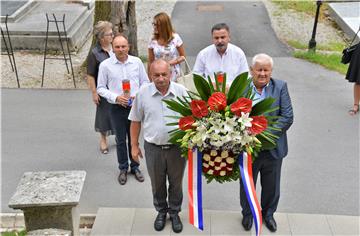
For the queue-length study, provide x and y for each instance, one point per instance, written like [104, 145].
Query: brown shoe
[138, 175]
[122, 177]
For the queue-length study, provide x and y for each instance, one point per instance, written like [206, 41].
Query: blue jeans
[121, 126]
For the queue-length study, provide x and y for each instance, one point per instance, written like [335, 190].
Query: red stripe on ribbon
[253, 188]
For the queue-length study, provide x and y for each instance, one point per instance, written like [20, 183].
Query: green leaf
[194, 94]
[270, 135]
[273, 128]
[176, 136]
[212, 90]
[172, 123]
[183, 102]
[173, 130]
[237, 87]
[271, 110]
[178, 107]
[174, 117]
[216, 83]
[202, 87]
[249, 94]
[266, 142]
[262, 106]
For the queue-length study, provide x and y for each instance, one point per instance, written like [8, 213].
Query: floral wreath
[221, 123]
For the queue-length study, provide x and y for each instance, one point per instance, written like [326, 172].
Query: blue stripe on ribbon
[247, 189]
[199, 190]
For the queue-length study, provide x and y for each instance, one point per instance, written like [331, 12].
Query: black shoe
[138, 175]
[247, 222]
[271, 223]
[122, 177]
[176, 224]
[160, 221]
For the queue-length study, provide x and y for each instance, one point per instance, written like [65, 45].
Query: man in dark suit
[268, 163]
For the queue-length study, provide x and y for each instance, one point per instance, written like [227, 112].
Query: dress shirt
[149, 109]
[232, 62]
[112, 72]
[258, 96]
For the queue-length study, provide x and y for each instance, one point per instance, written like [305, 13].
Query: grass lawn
[14, 233]
[305, 6]
[330, 61]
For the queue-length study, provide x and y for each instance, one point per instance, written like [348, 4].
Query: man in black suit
[268, 163]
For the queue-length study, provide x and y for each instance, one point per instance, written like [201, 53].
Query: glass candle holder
[126, 86]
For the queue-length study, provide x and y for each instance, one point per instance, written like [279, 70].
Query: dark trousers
[121, 126]
[165, 164]
[270, 171]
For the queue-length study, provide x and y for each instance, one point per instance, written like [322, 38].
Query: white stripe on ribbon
[253, 201]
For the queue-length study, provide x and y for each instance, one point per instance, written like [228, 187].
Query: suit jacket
[278, 90]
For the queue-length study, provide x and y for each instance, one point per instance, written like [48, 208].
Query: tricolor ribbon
[245, 165]
[195, 188]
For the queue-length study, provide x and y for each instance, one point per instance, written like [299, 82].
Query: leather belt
[163, 147]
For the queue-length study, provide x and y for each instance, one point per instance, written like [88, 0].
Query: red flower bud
[217, 101]
[199, 108]
[241, 105]
[220, 77]
[186, 122]
[259, 124]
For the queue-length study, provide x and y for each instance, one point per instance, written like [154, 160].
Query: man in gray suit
[268, 163]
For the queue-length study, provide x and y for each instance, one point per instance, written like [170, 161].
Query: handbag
[186, 79]
[348, 52]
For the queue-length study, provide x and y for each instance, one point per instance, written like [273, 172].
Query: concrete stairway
[347, 16]
[131, 221]
[27, 26]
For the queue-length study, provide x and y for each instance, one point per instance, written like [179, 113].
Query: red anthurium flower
[259, 124]
[186, 122]
[199, 108]
[217, 101]
[241, 105]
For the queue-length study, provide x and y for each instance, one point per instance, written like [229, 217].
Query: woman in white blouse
[166, 44]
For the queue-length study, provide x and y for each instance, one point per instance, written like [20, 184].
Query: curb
[16, 220]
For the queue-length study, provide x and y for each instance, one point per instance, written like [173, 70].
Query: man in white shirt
[112, 73]
[221, 56]
[163, 160]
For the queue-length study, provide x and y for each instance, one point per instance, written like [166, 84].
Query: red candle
[220, 77]
[126, 86]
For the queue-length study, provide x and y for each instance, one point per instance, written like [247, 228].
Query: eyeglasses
[109, 34]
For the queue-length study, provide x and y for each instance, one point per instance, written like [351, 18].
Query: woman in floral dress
[166, 44]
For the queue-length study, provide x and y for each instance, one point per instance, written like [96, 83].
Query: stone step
[15, 9]
[131, 221]
[347, 16]
[29, 31]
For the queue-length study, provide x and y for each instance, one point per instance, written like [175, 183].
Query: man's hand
[136, 153]
[122, 100]
[96, 98]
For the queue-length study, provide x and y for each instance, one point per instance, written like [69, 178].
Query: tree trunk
[123, 17]
[121, 13]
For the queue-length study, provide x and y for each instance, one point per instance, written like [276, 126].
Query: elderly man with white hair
[268, 163]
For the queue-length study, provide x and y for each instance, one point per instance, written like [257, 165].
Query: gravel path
[287, 25]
